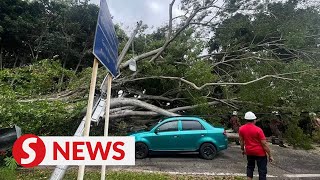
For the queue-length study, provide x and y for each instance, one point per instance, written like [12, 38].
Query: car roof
[182, 118]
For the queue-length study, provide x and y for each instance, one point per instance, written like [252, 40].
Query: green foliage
[11, 163]
[122, 129]
[200, 73]
[8, 174]
[42, 117]
[316, 136]
[152, 70]
[38, 29]
[280, 41]
[294, 135]
[236, 31]
[83, 79]
[34, 80]
[203, 107]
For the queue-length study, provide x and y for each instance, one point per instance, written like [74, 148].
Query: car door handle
[202, 135]
[175, 136]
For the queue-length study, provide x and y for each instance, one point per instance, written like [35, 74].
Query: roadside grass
[43, 174]
[7, 174]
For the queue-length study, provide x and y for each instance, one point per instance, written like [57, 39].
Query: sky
[154, 13]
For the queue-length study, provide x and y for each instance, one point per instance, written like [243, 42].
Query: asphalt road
[289, 164]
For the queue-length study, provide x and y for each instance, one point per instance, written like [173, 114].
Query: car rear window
[191, 125]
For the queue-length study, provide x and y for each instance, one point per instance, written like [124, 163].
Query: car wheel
[141, 150]
[208, 151]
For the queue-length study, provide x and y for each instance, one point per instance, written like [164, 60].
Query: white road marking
[301, 175]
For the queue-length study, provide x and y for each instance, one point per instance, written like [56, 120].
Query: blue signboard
[105, 46]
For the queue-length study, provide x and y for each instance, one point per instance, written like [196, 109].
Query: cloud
[151, 12]
[154, 6]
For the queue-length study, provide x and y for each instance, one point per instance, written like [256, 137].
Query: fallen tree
[211, 60]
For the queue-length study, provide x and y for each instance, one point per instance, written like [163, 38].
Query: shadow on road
[173, 155]
[184, 155]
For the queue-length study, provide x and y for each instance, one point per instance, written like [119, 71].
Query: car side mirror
[156, 131]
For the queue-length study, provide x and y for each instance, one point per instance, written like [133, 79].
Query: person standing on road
[315, 121]
[235, 123]
[274, 126]
[305, 123]
[254, 144]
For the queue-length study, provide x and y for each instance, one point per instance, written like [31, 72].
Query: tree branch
[224, 102]
[158, 52]
[166, 44]
[242, 59]
[181, 16]
[133, 113]
[134, 102]
[142, 56]
[127, 46]
[201, 24]
[126, 113]
[192, 107]
[116, 110]
[222, 53]
[170, 19]
[63, 96]
[214, 84]
[257, 104]
[160, 98]
[153, 97]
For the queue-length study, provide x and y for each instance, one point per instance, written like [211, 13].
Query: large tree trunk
[134, 102]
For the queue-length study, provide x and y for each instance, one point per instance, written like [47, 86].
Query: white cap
[234, 113]
[250, 116]
[275, 112]
[312, 114]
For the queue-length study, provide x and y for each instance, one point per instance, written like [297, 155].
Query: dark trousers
[262, 166]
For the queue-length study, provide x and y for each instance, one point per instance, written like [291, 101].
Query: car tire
[142, 150]
[208, 151]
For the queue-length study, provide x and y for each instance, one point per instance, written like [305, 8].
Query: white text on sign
[31, 150]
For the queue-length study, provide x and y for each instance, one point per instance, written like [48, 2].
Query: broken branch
[166, 44]
[213, 84]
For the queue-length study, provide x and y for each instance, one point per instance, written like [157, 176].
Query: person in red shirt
[254, 144]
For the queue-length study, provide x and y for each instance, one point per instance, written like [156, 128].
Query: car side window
[169, 126]
[191, 125]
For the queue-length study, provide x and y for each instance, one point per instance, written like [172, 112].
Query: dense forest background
[241, 55]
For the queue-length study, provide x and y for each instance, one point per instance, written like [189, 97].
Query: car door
[165, 136]
[191, 133]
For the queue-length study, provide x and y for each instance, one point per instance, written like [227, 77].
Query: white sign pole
[89, 109]
[106, 121]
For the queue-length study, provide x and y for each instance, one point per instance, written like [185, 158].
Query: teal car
[181, 134]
